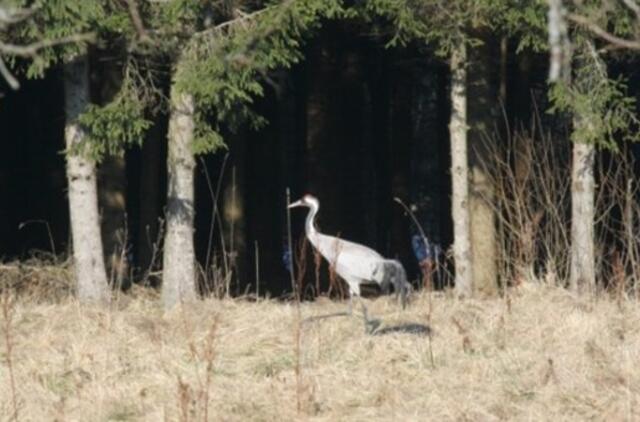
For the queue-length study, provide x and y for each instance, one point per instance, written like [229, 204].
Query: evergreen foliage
[119, 123]
[222, 66]
[221, 52]
[109, 128]
[54, 19]
[599, 101]
[443, 25]
[602, 103]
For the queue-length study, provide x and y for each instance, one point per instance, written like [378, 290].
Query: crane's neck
[310, 225]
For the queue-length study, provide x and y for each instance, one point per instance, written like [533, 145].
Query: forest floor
[541, 354]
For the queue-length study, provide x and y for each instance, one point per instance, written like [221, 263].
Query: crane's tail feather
[393, 273]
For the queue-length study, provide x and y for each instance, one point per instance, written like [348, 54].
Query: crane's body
[355, 263]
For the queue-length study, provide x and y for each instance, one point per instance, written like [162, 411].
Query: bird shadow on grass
[374, 325]
[405, 328]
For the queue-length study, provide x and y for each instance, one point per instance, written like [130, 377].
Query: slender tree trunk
[582, 276]
[460, 173]
[112, 187]
[88, 256]
[483, 94]
[113, 208]
[235, 211]
[179, 273]
[582, 217]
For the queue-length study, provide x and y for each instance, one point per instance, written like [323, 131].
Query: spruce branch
[10, 16]
[602, 33]
[31, 50]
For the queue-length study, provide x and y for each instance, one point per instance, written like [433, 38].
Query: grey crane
[356, 264]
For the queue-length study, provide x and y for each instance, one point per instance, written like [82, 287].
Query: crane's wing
[348, 258]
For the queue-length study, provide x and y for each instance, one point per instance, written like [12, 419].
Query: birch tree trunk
[179, 274]
[582, 276]
[582, 217]
[460, 173]
[88, 256]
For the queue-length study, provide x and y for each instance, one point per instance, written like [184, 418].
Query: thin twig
[215, 214]
[8, 76]
[635, 7]
[424, 240]
[137, 21]
[9, 16]
[30, 50]
[7, 317]
[289, 243]
[257, 255]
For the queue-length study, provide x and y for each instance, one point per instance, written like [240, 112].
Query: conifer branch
[242, 18]
[10, 16]
[32, 49]
[600, 32]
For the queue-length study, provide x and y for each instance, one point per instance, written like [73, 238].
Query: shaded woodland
[356, 122]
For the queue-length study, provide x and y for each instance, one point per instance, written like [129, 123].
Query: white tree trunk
[460, 173]
[582, 218]
[88, 256]
[179, 273]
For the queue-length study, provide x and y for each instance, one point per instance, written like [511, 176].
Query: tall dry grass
[542, 355]
[535, 353]
[531, 175]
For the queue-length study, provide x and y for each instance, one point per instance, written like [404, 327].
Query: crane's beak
[296, 204]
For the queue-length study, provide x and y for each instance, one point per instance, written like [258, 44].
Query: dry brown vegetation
[540, 354]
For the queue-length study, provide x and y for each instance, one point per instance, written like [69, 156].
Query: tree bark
[179, 273]
[88, 256]
[483, 94]
[460, 173]
[582, 277]
[582, 217]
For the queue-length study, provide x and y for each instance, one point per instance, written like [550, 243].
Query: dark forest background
[354, 123]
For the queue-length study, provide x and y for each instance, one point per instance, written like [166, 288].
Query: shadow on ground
[406, 328]
[374, 324]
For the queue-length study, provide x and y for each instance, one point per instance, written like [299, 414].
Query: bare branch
[242, 18]
[32, 49]
[9, 16]
[8, 76]
[635, 7]
[137, 21]
[604, 34]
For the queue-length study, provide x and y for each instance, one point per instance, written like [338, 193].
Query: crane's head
[306, 201]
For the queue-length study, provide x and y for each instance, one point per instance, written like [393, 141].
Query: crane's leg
[365, 314]
[354, 290]
[370, 325]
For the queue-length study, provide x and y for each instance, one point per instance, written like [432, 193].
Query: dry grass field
[540, 355]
